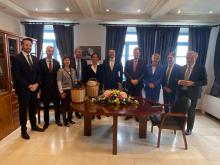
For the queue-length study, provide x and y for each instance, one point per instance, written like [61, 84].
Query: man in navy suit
[26, 75]
[190, 80]
[49, 89]
[113, 71]
[80, 66]
[134, 73]
[169, 82]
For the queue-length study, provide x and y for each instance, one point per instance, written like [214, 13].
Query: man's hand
[134, 82]
[151, 85]
[33, 87]
[168, 90]
[63, 95]
[186, 83]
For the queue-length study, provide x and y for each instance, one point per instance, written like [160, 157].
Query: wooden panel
[6, 123]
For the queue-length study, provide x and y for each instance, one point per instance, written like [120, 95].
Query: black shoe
[78, 115]
[45, 126]
[67, 124]
[136, 119]
[188, 132]
[59, 124]
[72, 122]
[38, 129]
[98, 117]
[25, 136]
[128, 118]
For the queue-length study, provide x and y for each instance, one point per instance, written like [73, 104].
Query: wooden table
[142, 111]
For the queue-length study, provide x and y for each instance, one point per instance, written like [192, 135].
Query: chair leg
[38, 115]
[184, 138]
[158, 140]
[152, 127]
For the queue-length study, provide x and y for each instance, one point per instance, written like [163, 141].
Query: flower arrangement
[115, 97]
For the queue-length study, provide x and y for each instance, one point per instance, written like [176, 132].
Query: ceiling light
[138, 10]
[179, 11]
[67, 9]
[107, 10]
[36, 9]
[210, 12]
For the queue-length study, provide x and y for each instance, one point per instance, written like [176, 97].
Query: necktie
[29, 61]
[187, 74]
[78, 70]
[111, 64]
[168, 73]
[50, 66]
[135, 65]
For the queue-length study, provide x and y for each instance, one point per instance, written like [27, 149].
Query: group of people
[55, 83]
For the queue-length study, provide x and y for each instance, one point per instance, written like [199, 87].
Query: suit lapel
[25, 61]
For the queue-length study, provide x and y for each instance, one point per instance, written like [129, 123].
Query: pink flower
[123, 95]
[107, 93]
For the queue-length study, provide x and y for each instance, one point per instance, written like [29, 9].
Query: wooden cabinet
[9, 108]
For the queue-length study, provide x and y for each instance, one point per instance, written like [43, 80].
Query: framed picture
[87, 51]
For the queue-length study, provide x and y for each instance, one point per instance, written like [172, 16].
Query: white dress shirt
[26, 57]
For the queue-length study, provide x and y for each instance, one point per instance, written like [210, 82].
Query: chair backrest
[181, 105]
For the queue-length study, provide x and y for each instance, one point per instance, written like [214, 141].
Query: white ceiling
[121, 11]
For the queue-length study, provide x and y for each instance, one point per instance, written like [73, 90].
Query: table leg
[142, 127]
[115, 132]
[87, 125]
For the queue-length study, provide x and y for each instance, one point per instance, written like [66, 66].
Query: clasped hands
[33, 87]
[186, 83]
[134, 82]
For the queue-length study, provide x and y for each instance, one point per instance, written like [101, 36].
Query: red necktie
[50, 66]
[135, 65]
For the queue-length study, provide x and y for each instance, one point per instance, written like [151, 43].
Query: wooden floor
[68, 146]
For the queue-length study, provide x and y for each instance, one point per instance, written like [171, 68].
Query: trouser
[27, 103]
[66, 110]
[191, 111]
[55, 100]
[169, 98]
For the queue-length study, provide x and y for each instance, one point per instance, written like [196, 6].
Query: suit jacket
[49, 78]
[23, 74]
[83, 67]
[198, 76]
[98, 75]
[111, 78]
[172, 83]
[137, 75]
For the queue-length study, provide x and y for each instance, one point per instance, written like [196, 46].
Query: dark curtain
[216, 86]
[166, 41]
[198, 41]
[115, 38]
[146, 41]
[35, 31]
[64, 39]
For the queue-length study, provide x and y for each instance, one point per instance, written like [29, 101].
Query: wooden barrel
[92, 88]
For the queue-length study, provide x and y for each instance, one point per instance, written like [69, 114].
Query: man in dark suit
[191, 79]
[134, 73]
[113, 71]
[80, 66]
[169, 82]
[26, 75]
[49, 89]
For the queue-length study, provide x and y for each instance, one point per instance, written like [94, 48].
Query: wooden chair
[174, 120]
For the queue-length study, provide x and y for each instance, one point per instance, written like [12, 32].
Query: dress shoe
[45, 126]
[128, 118]
[72, 122]
[38, 129]
[66, 124]
[188, 132]
[136, 119]
[25, 136]
[78, 115]
[59, 123]
[98, 117]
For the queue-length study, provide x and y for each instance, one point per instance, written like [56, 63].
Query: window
[182, 46]
[130, 44]
[49, 40]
